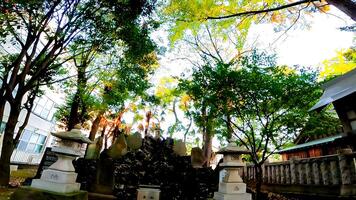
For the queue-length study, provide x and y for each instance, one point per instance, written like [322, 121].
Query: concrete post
[316, 172]
[325, 172]
[293, 171]
[269, 169]
[287, 172]
[335, 173]
[283, 174]
[278, 174]
[273, 173]
[309, 173]
[264, 173]
[301, 172]
[347, 169]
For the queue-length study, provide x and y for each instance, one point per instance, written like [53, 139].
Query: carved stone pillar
[273, 173]
[264, 173]
[335, 173]
[309, 173]
[278, 174]
[269, 169]
[325, 172]
[347, 169]
[287, 173]
[301, 172]
[316, 172]
[293, 172]
[283, 174]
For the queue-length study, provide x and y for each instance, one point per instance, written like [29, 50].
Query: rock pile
[156, 164]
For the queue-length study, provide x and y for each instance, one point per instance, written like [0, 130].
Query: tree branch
[255, 12]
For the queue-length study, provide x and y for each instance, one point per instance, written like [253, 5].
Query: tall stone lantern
[231, 186]
[60, 176]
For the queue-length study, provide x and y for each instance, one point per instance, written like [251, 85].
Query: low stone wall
[335, 170]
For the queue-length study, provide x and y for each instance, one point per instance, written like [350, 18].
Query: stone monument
[149, 192]
[231, 186]
[60, 177]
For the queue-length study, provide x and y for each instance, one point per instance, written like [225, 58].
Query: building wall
[36, 135]
[305, 153]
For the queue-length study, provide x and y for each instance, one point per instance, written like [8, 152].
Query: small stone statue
[179, 148]
[134, 141]
[198, 158]
[94, 149]
[118, 148]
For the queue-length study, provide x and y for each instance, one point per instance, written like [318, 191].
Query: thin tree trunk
[28, 106]
[258, 172]
[207, 148]
[228, 126]
[346, 6]
[8, 145]
[95, 127]
[73, 116]
[2, 109]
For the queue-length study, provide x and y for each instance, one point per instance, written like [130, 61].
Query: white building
[36, 136]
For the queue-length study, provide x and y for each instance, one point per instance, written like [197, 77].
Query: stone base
[27, 193]
[59, 176]
[55, 187]
[224, 196]
[232, 188]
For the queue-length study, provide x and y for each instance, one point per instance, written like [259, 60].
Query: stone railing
[339, 169]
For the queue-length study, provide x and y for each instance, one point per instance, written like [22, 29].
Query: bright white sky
[307, 47]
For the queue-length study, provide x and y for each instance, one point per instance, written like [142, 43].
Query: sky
[306, 47]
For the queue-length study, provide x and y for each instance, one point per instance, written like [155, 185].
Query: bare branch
[255, 12]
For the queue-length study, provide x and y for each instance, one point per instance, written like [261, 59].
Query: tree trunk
[346, 6]
[2, 109]
[229, 128]
[8, 144]
[73, 116]
[95, 127]
[207, 148]
[259, 179]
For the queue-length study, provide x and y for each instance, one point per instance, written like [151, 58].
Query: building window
[31, 142]
[2, 127]
[44, 108]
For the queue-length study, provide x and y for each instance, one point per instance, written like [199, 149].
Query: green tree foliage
[344, 61]
[41, 31]
[190, 16]
[262, 105]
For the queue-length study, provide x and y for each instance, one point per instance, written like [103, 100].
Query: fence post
[308, 173]
[283, 174]
[287, 171]
[347, 168]
[301, 172]
[335, 172]
[273, 173]
[325, 172]
[293, 171]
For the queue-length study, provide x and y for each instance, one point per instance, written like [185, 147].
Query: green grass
[5, 193]
[23, 173]
[17, 177]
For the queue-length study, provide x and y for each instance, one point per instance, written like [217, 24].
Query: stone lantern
[60, 177]
[231, 186]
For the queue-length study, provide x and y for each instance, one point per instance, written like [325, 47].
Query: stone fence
[332, 170]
